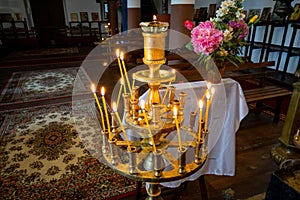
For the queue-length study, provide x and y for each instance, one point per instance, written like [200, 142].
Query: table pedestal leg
[154, 191]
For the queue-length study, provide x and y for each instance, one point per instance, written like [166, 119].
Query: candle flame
[102, 91]
[154, 18]
[142, 104]
[93, 88]
[200, 104]
[122, 56]
[118, 53]
[114, 106]
[207, 96]
[175, 111]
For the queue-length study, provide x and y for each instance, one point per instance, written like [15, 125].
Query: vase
[215, 73]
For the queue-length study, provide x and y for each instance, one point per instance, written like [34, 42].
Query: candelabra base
[281, 153]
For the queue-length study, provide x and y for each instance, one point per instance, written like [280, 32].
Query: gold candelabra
[137, 145]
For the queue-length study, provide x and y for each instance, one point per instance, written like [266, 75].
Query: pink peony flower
[189, 24]
[206, 38]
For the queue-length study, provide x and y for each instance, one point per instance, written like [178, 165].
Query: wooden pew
[258, 73]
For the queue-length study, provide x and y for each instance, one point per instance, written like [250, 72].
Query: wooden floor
[255, 137]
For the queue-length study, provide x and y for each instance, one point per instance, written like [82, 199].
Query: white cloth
[227, 111]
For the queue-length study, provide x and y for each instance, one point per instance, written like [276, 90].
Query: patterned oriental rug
[42, 157]
[39, 85]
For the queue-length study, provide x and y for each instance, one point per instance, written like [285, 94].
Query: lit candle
[147, 123]
[120, 67]
[120, 91]
[154, 18]
[175, 113]
[125, 71]
[207, 109]
[208, 85]
[114, 105]
[200, 118]
[105, 110]
[93, 88]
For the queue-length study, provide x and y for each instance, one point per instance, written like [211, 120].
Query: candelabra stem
[156, 119]
[104, 141]
[132, 160]
[182, 160]
[113, 151]
[153, 191]
[153, 95]
[182, 97]
[126, 98]
[204, 143]
[114, 125]
[158, 162]
[197, 152]
[192, 119]
[135, 110]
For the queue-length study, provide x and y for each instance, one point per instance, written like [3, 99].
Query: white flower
[221, 12]
[227, 4]
[239, 15]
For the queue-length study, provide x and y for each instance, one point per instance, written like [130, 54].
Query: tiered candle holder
[150, 142]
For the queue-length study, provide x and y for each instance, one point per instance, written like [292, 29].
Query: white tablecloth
[227, 110]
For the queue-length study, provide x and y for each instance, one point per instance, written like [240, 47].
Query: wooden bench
[265, 93]
[258, 73]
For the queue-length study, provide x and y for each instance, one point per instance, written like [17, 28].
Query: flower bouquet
[221, 38]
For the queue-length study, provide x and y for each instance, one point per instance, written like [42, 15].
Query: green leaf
[189, 46]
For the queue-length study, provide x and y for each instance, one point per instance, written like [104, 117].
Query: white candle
[93, 88]
[200, 118]
[125, 71]
[120, 68]
[147, 123]
[105, 110]
[120, 92]
[120, 123]
[207, 109]
[175, 112]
